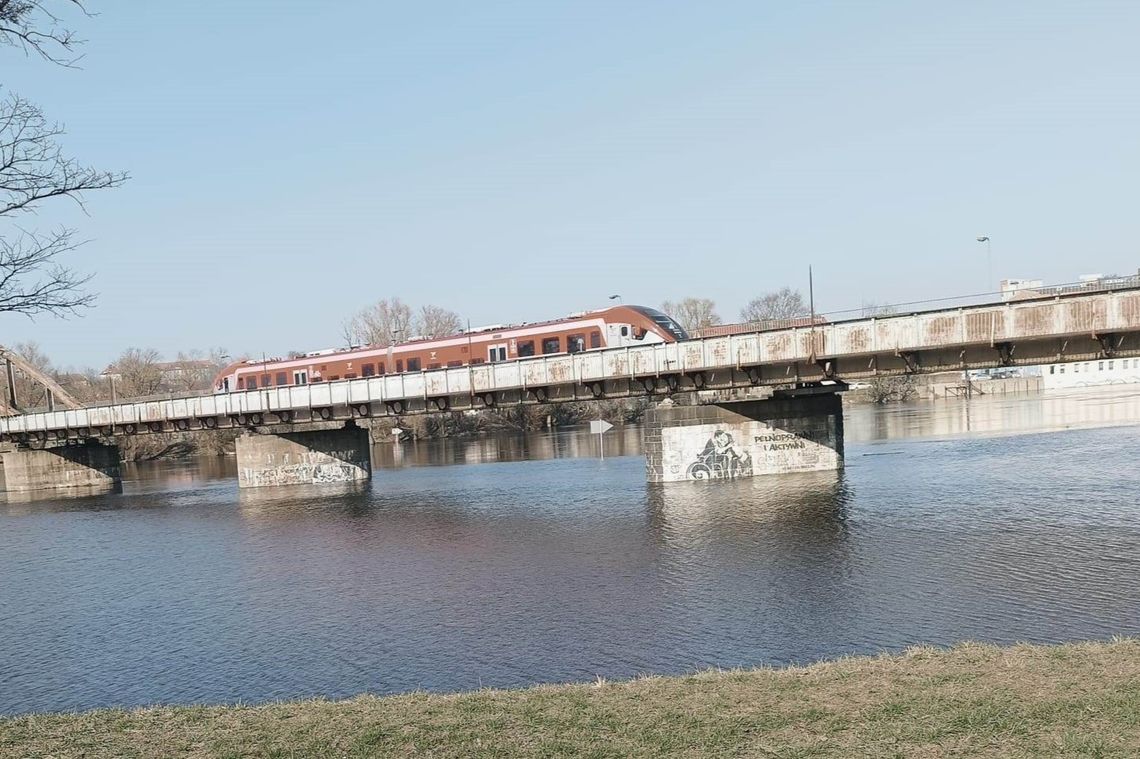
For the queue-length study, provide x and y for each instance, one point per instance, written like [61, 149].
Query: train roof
[656, 316]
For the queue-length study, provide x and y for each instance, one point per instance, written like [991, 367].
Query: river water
[510, 561]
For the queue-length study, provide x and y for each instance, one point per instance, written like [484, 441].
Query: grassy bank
[972, 700]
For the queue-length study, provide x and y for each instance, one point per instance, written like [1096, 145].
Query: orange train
[590, 330]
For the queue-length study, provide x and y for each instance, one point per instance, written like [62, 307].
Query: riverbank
[1071, 700]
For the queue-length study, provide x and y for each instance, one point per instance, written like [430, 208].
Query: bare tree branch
[33, 169]
[32, 165]
[29, 25]
[32, 281]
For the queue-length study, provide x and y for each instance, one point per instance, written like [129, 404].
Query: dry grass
[1079, 700]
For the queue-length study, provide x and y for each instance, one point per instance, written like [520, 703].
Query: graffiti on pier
[721, 459]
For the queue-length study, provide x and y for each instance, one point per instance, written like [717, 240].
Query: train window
[624, 331]
[433, 366]
[453, 364]
[317, 379]
[300, 378]
[399, 366]
[526, 348]
[251, 383]
[265, 381]
[350, 375]
[551, 345]
[368, 370]
[413, 364]
[595, 339]
[382, 371]
[241, 383]
[334, 378]
[282, 378]
[575, 343]
[477, 360]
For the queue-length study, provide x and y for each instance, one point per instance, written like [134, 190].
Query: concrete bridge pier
[87, 467]
[304, 457]
[793, 431]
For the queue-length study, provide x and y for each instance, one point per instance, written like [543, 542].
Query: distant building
[171, 370]
[1018, 289]
[1011, 287]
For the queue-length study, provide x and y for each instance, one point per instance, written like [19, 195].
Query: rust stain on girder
[856, 339]
[1084, 317]
[1030, 321]
[941, 329]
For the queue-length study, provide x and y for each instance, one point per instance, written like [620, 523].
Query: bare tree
[784, 303]
[384, 323]
[34, 169]
[436, 321]
[391, 320]
[29, 24]
[195, 371]
[693, 313]
[138, 372]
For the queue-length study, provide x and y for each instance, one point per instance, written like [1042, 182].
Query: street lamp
[989, 262]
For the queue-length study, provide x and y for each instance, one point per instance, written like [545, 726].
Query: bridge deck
[1019, 332]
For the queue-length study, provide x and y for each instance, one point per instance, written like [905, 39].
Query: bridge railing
[1056, 317]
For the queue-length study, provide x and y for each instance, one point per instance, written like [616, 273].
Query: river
[515, 560]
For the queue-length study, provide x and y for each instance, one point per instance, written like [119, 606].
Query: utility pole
[12, 400]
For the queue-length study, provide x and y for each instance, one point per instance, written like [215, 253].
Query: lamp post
[989, 262]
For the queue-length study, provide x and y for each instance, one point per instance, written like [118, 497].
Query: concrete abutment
[744, 438]
[304, 457]
[85, 467]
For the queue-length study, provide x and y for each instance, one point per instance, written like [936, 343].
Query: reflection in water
[988, 415]
[66, 499]
[535, 446]
[544, 563]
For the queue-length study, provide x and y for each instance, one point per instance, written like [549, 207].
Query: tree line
[700, 313]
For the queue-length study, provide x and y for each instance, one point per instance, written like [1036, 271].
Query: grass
[1075, 700]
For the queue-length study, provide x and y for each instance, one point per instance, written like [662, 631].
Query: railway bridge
[314, 433]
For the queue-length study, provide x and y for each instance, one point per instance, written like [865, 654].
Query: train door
[619, 335]
[497, 352]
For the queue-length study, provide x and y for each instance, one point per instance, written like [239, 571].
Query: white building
[1101, 371]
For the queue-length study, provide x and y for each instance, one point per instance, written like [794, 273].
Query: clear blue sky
[519, 160]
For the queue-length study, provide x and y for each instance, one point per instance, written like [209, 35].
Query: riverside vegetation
[1073, 700]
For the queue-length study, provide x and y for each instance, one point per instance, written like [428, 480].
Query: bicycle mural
[721, 459]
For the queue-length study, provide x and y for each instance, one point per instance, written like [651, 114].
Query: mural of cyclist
[721, 458]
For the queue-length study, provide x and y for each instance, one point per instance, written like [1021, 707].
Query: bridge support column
[744, 439]
[88, 466]
[304, 457]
